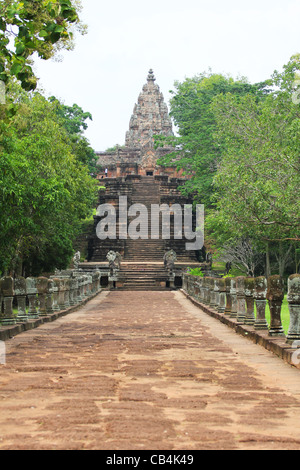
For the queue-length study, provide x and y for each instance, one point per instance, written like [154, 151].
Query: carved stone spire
[150, 116]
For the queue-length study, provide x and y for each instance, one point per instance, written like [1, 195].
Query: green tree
[258, 178]
[32, 26]
[195, 147]
[45, 191]
[73, 118]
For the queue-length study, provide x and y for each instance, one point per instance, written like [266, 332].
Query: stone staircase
[145, 192]
[142, 266]
[143, 276]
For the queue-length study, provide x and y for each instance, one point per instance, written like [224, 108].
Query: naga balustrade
[40, 297]
[244, 299]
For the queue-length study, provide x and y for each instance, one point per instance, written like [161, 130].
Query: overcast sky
[178, 39]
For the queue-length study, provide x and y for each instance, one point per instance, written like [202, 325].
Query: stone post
[196, 288]
[20, 293]
[80, 289]
[50, 308]
[201, 290]
[205, 291]
[56, 283]
[260, 296]
[211, 284]
[241, 301]
[249, 291]
[42, 286]
[233, 295]
[61, 294]
[222, 295]
[84, 286]
[67, 283]
[89, 285]
[184, 282]
[275, 296]
[7, 286]
[73, 291]
[228, 296]
[294, 308]
[32, 298]
[216, 294]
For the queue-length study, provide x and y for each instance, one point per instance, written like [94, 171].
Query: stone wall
[43, 297]
[232, 301]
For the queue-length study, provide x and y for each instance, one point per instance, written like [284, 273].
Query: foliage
[258, 177]
[195, 149]
[32, 26]
[45, 191]
[195, 272]
[73, 118]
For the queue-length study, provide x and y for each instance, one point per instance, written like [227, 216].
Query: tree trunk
[268, 266]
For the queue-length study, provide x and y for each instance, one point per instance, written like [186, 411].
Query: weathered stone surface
[150, 116]
[21, 292]
[228, 296]
[233, 294]
[260, 295]
[275, 296]
[7, 288]
[31, 286]
[241, 301]
[249, 291]
[294, 308]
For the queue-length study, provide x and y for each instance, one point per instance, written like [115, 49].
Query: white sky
[178, 39]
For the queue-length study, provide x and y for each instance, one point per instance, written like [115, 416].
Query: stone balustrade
[22, 300]
[244, 299]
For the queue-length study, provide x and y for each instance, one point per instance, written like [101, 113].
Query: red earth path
[145, 371]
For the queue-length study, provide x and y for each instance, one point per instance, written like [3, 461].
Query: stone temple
[133, 172]
[139, 157]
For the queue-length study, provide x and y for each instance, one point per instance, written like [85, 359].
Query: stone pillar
[196, 288]
[184, 282]
[228, 296]
[249, 291]
[50, 297]
[84, 285]
[89, 285]
[241, 301]
[275, 296]
[211, 284]
[42, 286]
[205, 291]
[73, 291]
[67, 282]
[61, 294]
[7, 287]
[260, 296]
[80, 289]
[32, 298]
[56, 284]
[201, 290]
[98, 281]
[233, 295]
[20, 292]
[222, 295]
[216, 294]
[294, 308]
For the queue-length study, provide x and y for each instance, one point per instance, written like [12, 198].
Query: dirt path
[145, 370]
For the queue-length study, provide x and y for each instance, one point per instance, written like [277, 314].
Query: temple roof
[150, 116]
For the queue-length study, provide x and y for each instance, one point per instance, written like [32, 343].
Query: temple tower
[150, 117]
